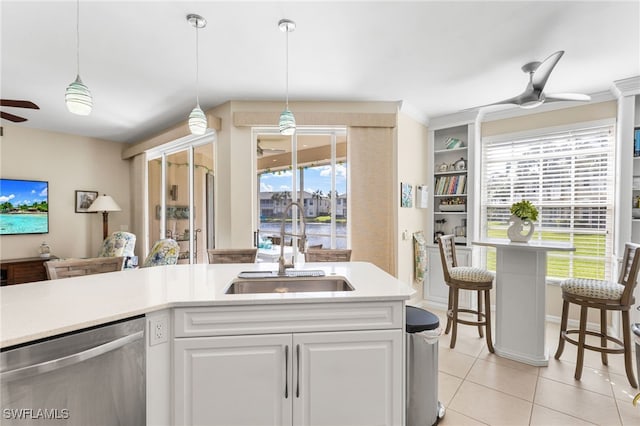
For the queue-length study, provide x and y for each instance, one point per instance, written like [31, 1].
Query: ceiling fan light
[197, 121]
[287, 123]
[78, 98]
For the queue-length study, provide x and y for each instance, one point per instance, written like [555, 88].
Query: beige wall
[412, 168]
[68, 163]
[590, 112]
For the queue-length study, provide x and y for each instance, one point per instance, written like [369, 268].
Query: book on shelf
[451, 185]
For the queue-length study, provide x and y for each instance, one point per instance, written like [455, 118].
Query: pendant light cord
[78, 37]
[197, 70]
[287, 72]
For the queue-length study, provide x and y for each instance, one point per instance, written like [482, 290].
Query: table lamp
[105, 204]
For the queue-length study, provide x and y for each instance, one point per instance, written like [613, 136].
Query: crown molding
[413, 112]
[626, 87]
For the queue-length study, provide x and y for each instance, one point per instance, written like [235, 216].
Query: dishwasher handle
[55, 364]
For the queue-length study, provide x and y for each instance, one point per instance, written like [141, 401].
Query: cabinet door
[226, 381]
[348, 378]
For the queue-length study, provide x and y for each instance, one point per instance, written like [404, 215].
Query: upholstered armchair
[163, 252]
[118, 244]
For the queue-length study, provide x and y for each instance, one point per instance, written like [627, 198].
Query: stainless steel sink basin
[288, 285]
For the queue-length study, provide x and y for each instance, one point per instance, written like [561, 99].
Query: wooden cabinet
[26, 270]
[343, 376]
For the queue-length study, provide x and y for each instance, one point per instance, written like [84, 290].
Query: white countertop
[47, 308]
[531, 245]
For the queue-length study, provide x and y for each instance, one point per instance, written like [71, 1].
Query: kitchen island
[216, 358]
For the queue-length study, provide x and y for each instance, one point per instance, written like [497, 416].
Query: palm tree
[317, 195]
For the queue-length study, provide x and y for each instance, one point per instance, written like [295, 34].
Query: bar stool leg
[626, 331]
[563, 328]
[581, 339]
[487, 313]
[603, 337]
[449, 311]
[480, 313]
[454, 318]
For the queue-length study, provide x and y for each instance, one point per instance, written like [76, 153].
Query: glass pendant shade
[78, 98]
[287, 122]
[197, 121]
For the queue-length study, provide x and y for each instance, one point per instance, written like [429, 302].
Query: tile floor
[480, 388]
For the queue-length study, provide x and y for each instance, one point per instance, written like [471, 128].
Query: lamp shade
[287, 123]
[104, 203]
[78, 98]
[197, 121]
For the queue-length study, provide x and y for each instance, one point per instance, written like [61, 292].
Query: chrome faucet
[282, 263]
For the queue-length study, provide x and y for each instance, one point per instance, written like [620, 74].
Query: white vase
[515, 230]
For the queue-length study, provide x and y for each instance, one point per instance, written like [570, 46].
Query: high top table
[520, 298]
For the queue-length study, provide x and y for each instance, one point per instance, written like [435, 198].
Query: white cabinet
[436, 291]
[348, 378]
[338, 377]
[239, 380]
[451, 181]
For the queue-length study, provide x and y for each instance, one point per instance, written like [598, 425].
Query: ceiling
[138, 58]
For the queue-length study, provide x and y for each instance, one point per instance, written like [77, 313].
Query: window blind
[569, 176]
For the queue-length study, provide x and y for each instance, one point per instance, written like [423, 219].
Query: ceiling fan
[15, 104]
[261, 151]
[534, 95]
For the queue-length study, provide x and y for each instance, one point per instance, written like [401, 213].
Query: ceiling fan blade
[12, 117]
[18, 104]
[541, 74]
[555, 97]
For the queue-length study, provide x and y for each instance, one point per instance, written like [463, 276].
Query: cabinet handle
[298, 371]
[286, 371]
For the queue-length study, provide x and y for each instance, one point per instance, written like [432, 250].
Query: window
[569, 176]
[319, 184]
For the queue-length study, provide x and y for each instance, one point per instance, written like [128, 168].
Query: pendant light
[77, 97]
[287, 123]
[197, 119]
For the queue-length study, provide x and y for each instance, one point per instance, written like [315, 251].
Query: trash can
[423, 331]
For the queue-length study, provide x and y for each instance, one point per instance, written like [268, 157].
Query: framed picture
[406, 195]
[174, 212]
[84, 200]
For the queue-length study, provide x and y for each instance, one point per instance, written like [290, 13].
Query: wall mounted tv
[24, 207]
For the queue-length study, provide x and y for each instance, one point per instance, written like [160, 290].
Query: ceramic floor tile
[630, 415]
[447, 387]
[454, 363]
[505, 379]
[490, 406]
[586, 405]
[592, 379]
[453, 418]
[622, 390]
[488, 356]
[542, 416]
[466, 343]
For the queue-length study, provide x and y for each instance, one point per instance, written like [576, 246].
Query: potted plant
[523, 213]
[524, 210]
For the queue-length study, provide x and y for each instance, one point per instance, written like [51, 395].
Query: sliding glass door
[309, 167]
[180, 197]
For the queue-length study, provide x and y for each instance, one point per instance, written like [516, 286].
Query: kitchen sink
[288, 285]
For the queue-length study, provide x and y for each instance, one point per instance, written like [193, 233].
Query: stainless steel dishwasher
[94, 376]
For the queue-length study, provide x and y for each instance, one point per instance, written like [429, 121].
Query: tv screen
[24, 207]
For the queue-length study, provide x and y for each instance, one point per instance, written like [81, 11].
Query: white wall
[68, 163]
[412, 169]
